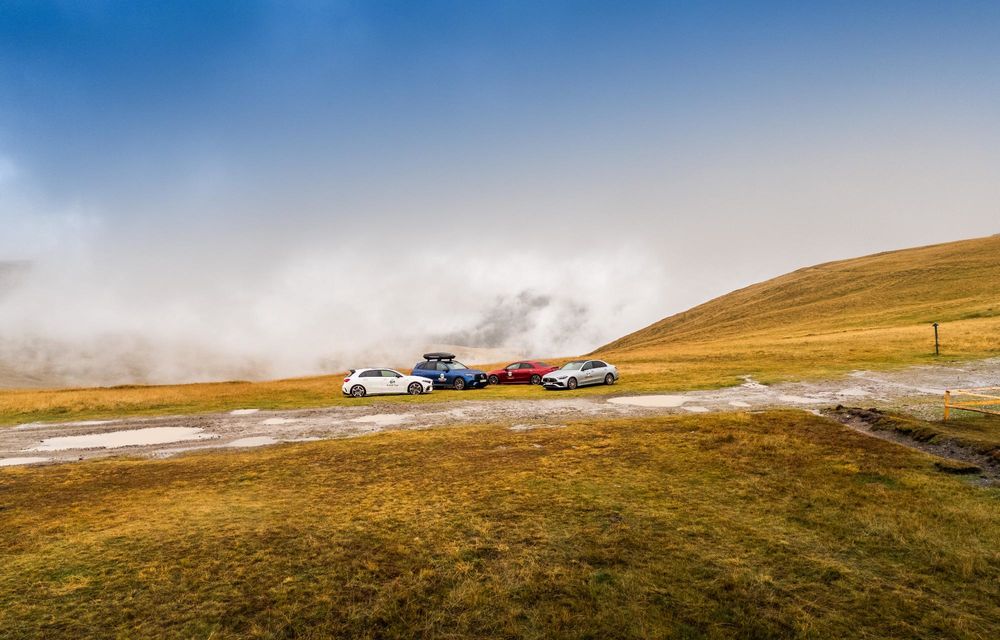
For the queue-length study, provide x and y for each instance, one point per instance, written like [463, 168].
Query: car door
[519, 370]
[587, 373]
[600, 370]
[425, 370]
[391, 381]
[372, 381]
[440, 371]
[510, 372]
[525, 372]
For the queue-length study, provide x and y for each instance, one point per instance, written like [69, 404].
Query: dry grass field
[750, 525]
[868, 313]
[742, 525]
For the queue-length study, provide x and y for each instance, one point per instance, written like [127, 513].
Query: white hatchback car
[365, 382]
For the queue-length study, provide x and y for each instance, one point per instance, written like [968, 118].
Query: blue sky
[96, 94]
[702, 145]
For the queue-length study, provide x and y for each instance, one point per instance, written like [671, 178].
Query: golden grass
[738, 525]
[867, 313]
[945, 283]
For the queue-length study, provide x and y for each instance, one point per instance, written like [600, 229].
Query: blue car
[445, 372]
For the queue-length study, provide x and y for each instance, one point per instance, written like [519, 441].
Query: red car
[524, 372]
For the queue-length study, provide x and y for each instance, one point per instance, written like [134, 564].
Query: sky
[208, 190]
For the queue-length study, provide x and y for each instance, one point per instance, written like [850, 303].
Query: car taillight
[347, 379]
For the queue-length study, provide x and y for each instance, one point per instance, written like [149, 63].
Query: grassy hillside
[941, 283]
[865, 313]
[742, 525]
[870, 312]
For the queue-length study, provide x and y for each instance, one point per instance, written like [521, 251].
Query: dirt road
[916, 390]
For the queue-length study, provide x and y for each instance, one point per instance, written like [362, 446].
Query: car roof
[439, 355]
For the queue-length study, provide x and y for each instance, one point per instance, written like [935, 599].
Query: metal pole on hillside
[937, 345]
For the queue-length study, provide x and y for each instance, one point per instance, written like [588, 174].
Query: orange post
[947, 403]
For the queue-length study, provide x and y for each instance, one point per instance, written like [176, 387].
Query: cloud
[99, 306]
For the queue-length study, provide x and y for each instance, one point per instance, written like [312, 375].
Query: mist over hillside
[121, 319]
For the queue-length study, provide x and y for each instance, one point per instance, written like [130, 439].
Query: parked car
[524, 372]
[579, 373]
[444, 371]
[370, 382]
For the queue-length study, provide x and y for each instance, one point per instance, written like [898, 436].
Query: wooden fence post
[947, 403]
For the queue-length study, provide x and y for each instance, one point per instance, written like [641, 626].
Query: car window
[454, 366]
[588, 366]
[371, 373]
[423, 365]
[514, 367]
[541, 365]
[598, 364]
[389, 373]
[573, 366]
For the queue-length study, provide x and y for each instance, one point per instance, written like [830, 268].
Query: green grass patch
[976, 432]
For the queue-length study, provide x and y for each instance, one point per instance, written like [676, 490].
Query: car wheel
[459, 384]
[494, 380]
[415, 389]
[609, 379]
[536, 379]
[358, 391]
[571, 384]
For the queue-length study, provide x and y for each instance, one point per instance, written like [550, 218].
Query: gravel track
[915, 390]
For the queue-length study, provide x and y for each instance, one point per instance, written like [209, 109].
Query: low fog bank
[137, 315]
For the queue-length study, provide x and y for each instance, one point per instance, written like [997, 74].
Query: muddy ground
[916, 391]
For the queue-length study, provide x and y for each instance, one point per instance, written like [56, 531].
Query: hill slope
[939, 283]
[819, 322]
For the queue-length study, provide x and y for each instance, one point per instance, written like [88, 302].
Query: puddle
[739, 403]
[117, 439]
[79, 423]
[696, 409]
[258, 441]
[385, 419]
[800, 400]
[32, 425]
[243, 412]
[650, 401]
[853, 392]
[14, 462]
[277, 421]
